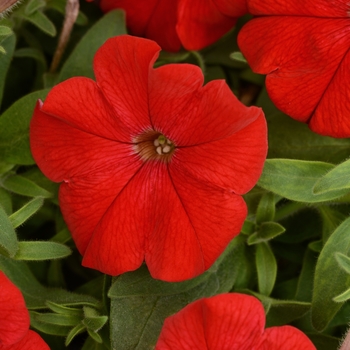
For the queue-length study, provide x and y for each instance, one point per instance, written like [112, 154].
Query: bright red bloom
[193, 23]
[227, 322]
[202, 22]
[303, 47]
[152, 163]
[14, 325]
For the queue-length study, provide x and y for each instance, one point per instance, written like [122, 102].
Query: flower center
[152, 145]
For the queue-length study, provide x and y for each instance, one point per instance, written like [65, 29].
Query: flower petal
[331, 116]
[189, 114]
[200, 23]
[14, 314]
[286, 338]
[223, 322]
[166, 224]
[80, 103]
[31, 341]
[184, 330]
[144, 18]
[216, 216]
[85, 201]
[130, 232]
[233, 321]
[234, 163]
[121, 68]
[63, 151]
[314, 8]
[300, 56]
[232, 8]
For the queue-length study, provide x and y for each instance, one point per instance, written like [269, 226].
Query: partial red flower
[303, 47]
[227, 322]
[152, 164]
[202, 22]
[14, 325]
[193, 23]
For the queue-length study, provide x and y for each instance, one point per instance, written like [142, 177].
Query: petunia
[193, 24]
[201, 23]
[227, 322]
[152, 163]
[303, 47]
[14, 325]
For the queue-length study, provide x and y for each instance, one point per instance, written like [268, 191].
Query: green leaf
[281, 312]
[331, 219]
[238, 56]
[324, 342]
[34, 5]
[306, 277]
[266, 208]
[140, 283]
[25, 187]
[5, 31]
[32, 53]
[5, 60]
[36, 295]
[343, 261]
[6, 201]
[95, 323]
[23, 214]
[266, 232]
[41, 251]
[80, 328]
[316, 246]
[95, 336]
[14, 129]
[40, 20]
[248, 227]
[64, 310]
[47, 328]
[342, 297]
[330, 279]
[80, 61]
[266, 267]
[57, 319]
[91, 344]
[295, 179]
[8, 237]
[336, 179]
[137, 313]
[288, 138]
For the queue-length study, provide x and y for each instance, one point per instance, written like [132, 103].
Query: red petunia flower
[303, 47]
[227, 322]
[201, 23]
[152, 163]
[193, 23]
[14, 325]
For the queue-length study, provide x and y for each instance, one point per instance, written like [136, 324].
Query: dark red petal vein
[233, 163]
[151, 226]
[80, 103]
[189, 114]
[64, 152]
[216, 216]
[313, 8]
[122, 69]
